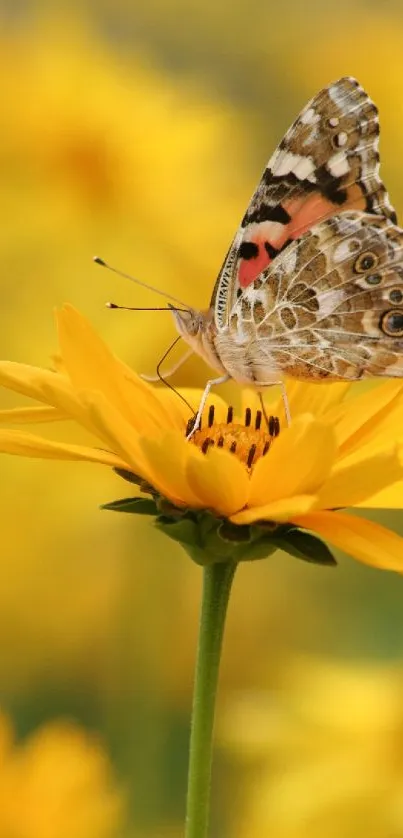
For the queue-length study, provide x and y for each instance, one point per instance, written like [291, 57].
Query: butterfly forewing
[328, 162]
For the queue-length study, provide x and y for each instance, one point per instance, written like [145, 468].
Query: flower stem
[217, 581]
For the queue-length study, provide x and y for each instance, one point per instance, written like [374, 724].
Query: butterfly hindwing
[327, 162]
[330, 305]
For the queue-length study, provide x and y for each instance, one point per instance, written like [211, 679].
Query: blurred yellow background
[138, 131]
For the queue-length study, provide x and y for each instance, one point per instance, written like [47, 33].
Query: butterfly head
[189, 323]
[197, 329]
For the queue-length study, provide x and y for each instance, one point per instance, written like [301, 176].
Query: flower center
[248, 442]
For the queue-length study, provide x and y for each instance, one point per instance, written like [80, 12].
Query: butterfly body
[312, 285]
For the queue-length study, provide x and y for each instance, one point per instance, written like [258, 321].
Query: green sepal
[305, 546]
[234, 533]
[208, 539]
[183, 529]
[262, 548]
[128, 475]
[134, 506]
[168, 510]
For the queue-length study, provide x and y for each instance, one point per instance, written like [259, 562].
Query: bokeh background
[138, 130]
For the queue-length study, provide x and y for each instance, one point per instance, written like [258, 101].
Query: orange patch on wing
[249, 269]
[305, 212]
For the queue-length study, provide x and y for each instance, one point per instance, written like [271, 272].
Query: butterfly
[312, 284]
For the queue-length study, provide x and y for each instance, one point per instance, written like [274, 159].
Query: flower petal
[279, 510]
[315, 398]
[31, 381]
[25, 415]
[91, 366]
[297, 463]
[89, 363]
[391, 497]
[160, 408]
[166, 461]
[302, 397]
[111, 426]
[357, 417]
[219, 479]
[388, 425]
[45, 386]
[362, 539]
[360, 475]
[30, 445]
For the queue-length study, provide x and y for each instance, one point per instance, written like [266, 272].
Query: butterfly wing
[328, 161]
[330, 306]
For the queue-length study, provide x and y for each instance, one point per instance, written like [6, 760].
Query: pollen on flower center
[248, 441]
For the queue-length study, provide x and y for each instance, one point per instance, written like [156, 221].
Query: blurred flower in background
[57, 783]
[138, 131]
[320, 755]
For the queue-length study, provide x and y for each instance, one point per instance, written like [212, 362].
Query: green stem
[217, 581]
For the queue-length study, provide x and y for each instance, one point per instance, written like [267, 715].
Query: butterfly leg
[212, 383]
[264, 411]
[171, 371]
[285, 403]
[284, 398]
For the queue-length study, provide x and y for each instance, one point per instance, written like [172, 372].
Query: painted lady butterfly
[312, 285]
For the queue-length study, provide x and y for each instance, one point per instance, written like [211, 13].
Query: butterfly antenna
[144, 308]
[99, 261]
[164, 381]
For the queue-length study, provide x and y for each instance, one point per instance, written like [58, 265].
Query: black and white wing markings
[328, 161]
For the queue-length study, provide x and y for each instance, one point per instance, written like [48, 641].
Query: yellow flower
[56, 784]
[337, 452]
